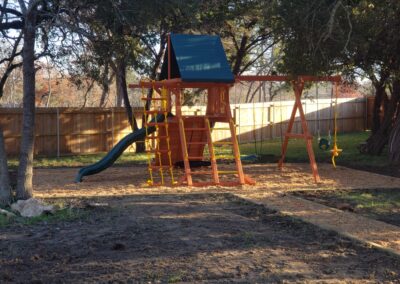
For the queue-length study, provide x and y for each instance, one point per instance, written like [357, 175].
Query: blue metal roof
[197, 58]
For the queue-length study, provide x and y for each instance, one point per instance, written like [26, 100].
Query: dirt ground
[180, 234]
[213, 238]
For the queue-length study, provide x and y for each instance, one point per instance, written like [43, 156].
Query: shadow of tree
[185, 237]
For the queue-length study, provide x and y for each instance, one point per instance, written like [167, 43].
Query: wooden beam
[177, 83]
[280, 78]
[298, 90]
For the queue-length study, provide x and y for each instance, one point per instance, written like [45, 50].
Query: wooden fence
[65, 131]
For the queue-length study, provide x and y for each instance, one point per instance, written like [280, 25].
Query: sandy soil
[117, 181]
[181, 234]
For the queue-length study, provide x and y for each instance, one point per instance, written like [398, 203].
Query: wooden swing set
[199, 62]
[298, 87]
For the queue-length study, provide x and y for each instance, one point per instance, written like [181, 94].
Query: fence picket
[65, 131]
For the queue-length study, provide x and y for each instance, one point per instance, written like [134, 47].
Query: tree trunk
[378, 140]
[118, 101]
[123, 92]
[105, 84]
[25, 168]
[240, 54]
[140, 146]
[394, 143]
[380, 97]
[5, 193]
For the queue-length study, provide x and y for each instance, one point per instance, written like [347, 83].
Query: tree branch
[6, 74]
[5, 10]
[14, 25]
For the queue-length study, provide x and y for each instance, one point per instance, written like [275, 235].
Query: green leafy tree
[33, 21]
[245, 28]
[355, 38]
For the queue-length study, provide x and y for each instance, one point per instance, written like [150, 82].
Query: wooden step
[196, 129]
[201, 173]
[228, 172]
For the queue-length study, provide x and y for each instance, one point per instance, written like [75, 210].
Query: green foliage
[245, 29]
[297, 151]
[313, 36]
[81, 160]
[376, 201]
[322, 37]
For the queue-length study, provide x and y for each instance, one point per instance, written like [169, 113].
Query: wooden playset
[174, 138]
[199, 62]
[191, 62]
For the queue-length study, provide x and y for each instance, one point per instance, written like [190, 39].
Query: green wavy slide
[109, 159]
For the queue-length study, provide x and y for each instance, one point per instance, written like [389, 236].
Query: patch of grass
[80, 160]
[380, 204]
[378, 201]
[297, 151]
[4, 221]
[272, 148]
[65, 214]
[175, 278]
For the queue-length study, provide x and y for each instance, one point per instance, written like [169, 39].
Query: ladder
[154, 140]
[214, 173]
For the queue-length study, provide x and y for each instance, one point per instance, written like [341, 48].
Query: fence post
[271, 120]
[58, 132]
[366, 113]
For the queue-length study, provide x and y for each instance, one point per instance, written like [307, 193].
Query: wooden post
[182, 137]
[213, 160]
[298, 86]
[236, 149]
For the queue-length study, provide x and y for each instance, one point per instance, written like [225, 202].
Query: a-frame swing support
[298, 86]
